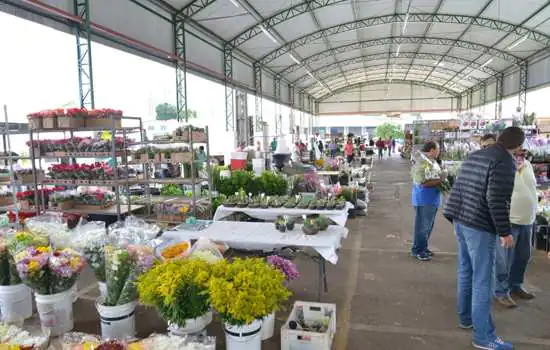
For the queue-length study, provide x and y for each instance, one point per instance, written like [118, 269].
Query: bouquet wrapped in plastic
[8, 270]
[47, 270]
[51, 225]
[171, 342]
[90, 239]
[134, 231]
[123, 266]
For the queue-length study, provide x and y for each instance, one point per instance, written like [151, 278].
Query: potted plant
[178, 289]
[322, 221]
[280, 224]
[310, 227]
[73, 118]
[166, 155]
[61, 201]
[243, 292]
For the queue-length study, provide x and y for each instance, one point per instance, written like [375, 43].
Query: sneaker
[523, 294]
[465, 326]
[497, 344]
[422, 257]
[506, 301]
[430, 253]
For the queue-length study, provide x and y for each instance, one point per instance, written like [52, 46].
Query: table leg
[322, 278]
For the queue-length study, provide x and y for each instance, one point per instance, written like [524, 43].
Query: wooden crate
[182, 157]
[66, 122]
[35, 123]
[49, 122]
[106, 123]
[6, 200]
[61, 205]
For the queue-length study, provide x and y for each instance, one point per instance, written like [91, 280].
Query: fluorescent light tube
[294, 59]
[486, 63]
[405, 23]
[268, 34]
[311, 75]
[519, 41]
[234, 2]
[397, 52]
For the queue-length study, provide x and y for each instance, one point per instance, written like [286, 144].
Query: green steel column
[181, 68]
[84, 54]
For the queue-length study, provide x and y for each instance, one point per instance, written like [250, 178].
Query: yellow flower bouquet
[246, 290]
[177, 289]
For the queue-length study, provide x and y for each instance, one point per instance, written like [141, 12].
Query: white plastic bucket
[74, 290]
[56, 311]
[102, 289]
[192, 326]
[247, 337]
[117, 322]
[15, 302]
[268, 326]
[258, 165]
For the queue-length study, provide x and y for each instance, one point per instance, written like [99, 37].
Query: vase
[193, 326]
[268, 326]
[245, 337]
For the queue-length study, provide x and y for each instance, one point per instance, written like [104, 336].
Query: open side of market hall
[294, 175]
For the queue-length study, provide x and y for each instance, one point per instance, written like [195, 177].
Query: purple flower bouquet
[287, 267]
[49, 271]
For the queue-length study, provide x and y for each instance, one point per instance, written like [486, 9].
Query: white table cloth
[270, 214]
[254, 235]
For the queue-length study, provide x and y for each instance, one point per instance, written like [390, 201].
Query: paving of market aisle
[385, 299]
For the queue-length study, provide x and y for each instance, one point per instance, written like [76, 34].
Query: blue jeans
[423, 225]
[476, 258]
[511, 263]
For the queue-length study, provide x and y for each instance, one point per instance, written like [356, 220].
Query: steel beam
[389, 41]
[242, 121]
[384, 81]
[329, 68]
[502, 39]
[181, 69]
[84, 54]
[459, 104]
[258, 122]
[292, 102]
[540, 37]
[229, 91]
[277, 95]
[335, 74]
[523, 83]
[470, 93]
[194, 7]
[499, 96]
[482, 94]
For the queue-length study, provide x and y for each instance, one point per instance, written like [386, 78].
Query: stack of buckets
[15, 302]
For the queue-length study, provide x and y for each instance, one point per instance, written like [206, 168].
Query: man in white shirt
[511, 263]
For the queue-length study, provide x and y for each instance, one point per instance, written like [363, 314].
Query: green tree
[387, 130]
[166, 111]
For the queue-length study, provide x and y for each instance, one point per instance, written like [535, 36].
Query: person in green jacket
[273, 144]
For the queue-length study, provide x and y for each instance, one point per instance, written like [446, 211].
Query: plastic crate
[299, 339]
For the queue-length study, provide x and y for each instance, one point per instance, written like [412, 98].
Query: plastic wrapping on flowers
[123, 266]
[90, 239]
[49, 271]
[8, 269]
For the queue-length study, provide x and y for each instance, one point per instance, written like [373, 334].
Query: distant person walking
[393, 145]
[332, 146]
[348, 151]
[380, 146]
[389, 144]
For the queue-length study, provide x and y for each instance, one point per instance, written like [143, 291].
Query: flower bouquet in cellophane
[123, 265]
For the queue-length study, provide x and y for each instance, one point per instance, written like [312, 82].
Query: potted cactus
[322, 222]
[310, 227]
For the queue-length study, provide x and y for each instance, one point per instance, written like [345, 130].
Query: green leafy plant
[387, 130]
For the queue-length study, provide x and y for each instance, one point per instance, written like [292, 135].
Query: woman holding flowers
[426, 198]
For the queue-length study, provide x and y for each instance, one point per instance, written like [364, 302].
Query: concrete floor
[385, 299]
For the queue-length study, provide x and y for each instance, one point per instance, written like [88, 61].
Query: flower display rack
[152, 153]
[73, 122]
